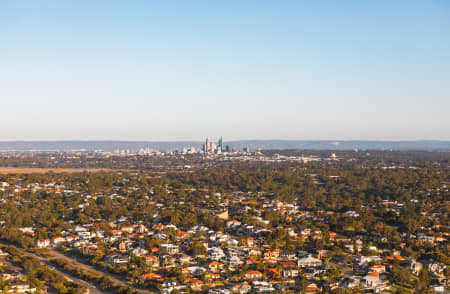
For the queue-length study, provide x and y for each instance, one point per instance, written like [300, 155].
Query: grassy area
[102, 281]
[401, 289]
[36, 272]
[26, 170]
[42, 252]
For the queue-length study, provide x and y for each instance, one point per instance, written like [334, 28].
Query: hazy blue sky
[176, 70]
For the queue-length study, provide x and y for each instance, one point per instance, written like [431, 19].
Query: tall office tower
[206, 149]
[220, 144]
[212, 146]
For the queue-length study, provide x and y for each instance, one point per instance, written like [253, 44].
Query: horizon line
[233, 140]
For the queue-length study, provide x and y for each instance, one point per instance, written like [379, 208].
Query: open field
[26, 170]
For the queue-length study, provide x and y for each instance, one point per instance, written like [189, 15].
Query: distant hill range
[252, 144]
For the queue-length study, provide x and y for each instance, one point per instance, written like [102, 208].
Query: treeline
[103, 282]
[37, 272]
[315, 188]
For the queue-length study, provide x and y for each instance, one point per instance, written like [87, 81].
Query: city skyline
[229, 146]
[159, 71]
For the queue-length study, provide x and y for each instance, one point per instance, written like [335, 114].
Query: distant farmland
[24, 170]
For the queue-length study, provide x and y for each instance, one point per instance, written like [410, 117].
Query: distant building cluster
[209, 147]
[216, 148]
[148, 151]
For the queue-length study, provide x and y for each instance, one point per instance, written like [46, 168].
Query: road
[91, 287]
[117, 280]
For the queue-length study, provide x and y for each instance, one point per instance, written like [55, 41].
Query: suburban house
[309, 261]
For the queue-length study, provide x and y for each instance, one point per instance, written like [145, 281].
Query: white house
[216, 253]
[42, 243]
[309, 261]
[169, 248]
[371, 279]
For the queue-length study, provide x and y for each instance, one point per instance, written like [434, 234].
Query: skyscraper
[213, 147]
[220, 144]
[206, 146]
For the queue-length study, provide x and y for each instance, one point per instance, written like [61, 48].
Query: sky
[253, 69]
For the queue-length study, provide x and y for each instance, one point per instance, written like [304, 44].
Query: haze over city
[184, 70]
[224, 147]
